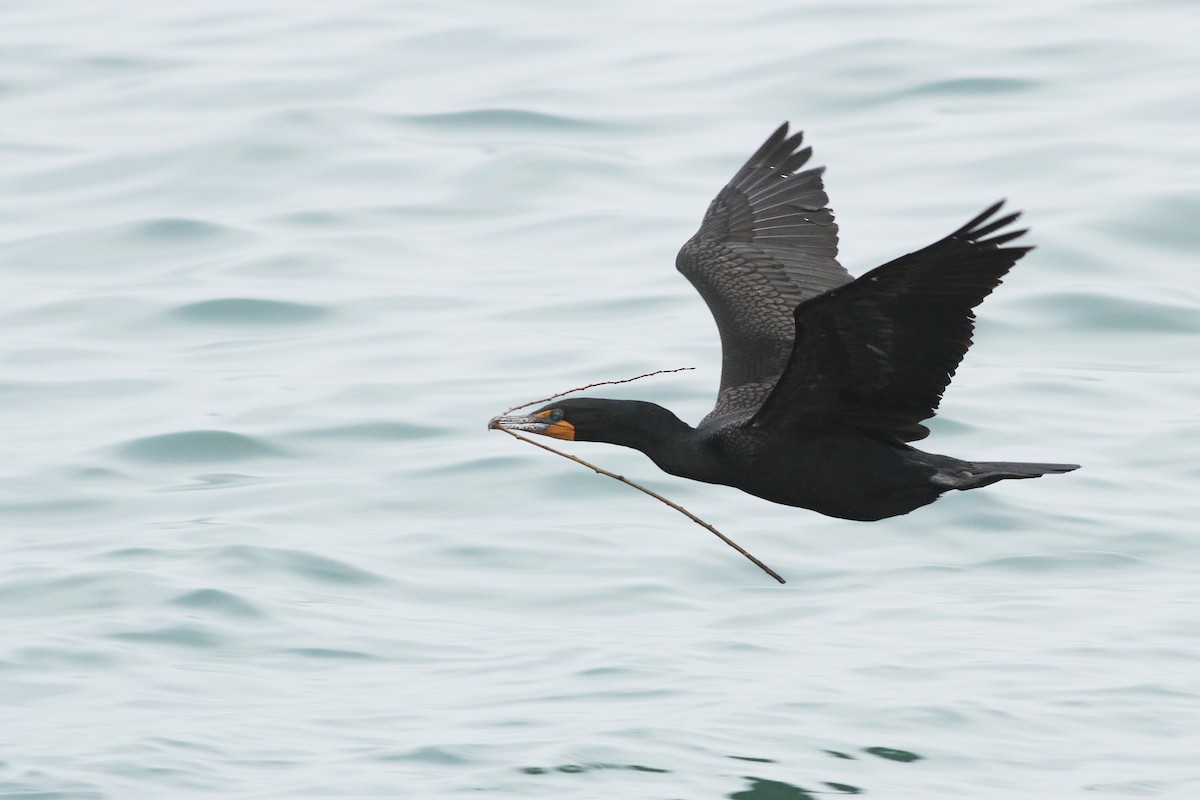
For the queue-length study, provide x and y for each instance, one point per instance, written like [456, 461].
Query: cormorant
[825, 379]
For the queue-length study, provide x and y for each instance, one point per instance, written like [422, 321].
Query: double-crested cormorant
[824, 378]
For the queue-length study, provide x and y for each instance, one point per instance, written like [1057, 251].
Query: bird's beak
[535, 423]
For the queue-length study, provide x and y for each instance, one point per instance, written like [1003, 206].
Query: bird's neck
[676, 447]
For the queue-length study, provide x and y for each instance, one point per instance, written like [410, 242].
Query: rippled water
[269, 269]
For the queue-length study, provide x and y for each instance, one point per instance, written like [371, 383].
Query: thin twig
[641, 488]
[594, 385]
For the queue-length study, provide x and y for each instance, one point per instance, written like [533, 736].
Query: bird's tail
[973, 475]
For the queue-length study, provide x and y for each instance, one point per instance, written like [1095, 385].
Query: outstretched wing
[767, 244]
[879, 352]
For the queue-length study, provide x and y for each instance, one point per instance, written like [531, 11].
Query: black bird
[824, 378]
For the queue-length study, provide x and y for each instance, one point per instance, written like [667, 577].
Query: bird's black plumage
[824, 378]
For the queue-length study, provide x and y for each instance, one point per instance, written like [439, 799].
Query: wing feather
[879, 352]
[767, 243]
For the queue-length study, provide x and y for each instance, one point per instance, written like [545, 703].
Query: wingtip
[984, 224]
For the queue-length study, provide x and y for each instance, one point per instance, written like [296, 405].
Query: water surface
[270, 269]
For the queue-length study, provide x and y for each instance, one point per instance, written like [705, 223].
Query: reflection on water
[759, 788]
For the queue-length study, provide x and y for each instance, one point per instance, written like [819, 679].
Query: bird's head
[550, 421]
[586, 419]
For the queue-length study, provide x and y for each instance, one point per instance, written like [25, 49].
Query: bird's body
[825, 379]
[886, 479]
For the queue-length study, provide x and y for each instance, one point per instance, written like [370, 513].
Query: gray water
[268, 269]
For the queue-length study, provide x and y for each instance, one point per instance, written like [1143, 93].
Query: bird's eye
[556, 415]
